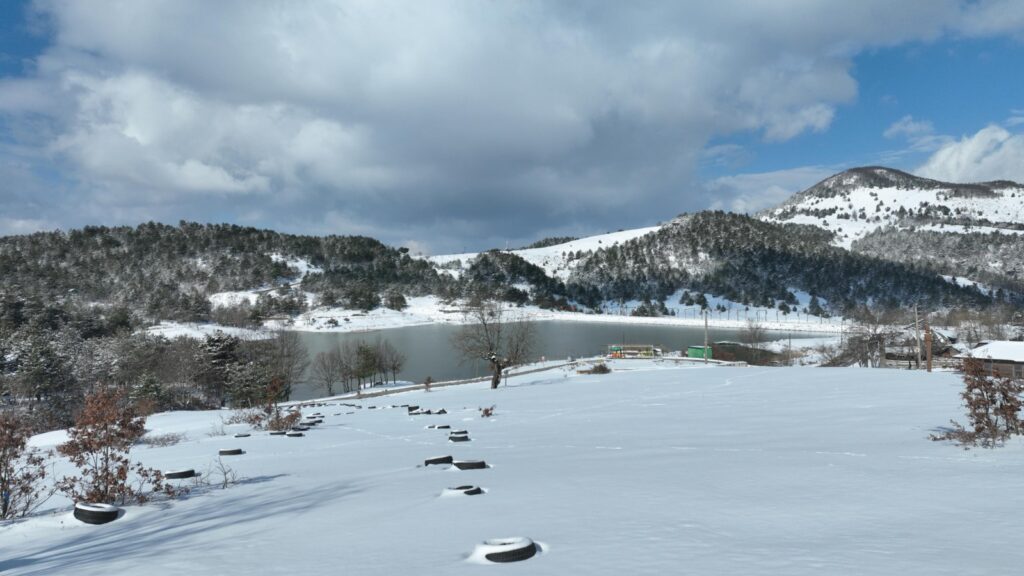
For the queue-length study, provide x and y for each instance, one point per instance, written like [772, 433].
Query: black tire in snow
[179, 474]
[438, 460]
[508, 549]
[95, 513]
[469, 490]
[230, 452]
[470, 464]
[458, 438]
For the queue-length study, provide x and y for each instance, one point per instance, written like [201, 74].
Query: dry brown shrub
[23, 470]
[98, 445]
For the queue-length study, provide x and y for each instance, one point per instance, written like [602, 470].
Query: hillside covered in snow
[961, 229]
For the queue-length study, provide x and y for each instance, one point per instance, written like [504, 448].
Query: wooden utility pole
[928, 343]
[917, 336]
[705, 337]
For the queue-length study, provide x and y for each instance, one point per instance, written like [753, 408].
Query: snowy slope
[234, 298]
[554, 259]
[858, 201]
[648, 470]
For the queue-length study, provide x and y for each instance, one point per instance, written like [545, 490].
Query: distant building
[699, 352]
[633, 351]
[1000, 357]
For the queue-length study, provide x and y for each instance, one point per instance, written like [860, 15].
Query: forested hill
[759, 263]
[158, 272]
[168, 272]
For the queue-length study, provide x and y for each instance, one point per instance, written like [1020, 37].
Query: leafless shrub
[487, 412]
[255, 417]
[278, 421]
[222, 474]
[161, 440]
[217, 429]
[600, 368]
[828, 353]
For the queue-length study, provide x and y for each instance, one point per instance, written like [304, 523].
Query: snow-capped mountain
[964, 230]
[854, 203]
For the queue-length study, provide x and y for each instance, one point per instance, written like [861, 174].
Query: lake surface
[428, 349]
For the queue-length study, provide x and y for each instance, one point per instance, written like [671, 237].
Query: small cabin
[1003, 358]
[699, 352]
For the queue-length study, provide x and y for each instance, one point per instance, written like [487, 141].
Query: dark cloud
[447, 124]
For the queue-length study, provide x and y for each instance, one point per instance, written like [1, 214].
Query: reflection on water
[429, 353]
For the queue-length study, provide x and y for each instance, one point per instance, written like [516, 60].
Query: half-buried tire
[277, 432]
[294, 434]
[242, 435]
[504, 550]
[458, 438]
[458, 432]
[438, 460]
[470, 464]
[469, 490]
[94, 513]
[230, 452]
[179, 474]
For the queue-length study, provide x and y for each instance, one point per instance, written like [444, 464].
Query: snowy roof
[998, 350]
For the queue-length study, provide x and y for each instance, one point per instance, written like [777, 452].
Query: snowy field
[647, 470]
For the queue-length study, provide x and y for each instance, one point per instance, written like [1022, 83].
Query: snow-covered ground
[236, 297]
[647, 470]
[172, 330]
[431, 310]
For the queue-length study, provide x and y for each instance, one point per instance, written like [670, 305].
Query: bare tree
[349, 358]
[491, 335]
[289, 359]
[328, 369]
[391, 360]
[752, 335]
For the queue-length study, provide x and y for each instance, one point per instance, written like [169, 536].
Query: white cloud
[907, 127]
[749, 193]
[525, 116]
[993, 153]
[13, 226]
[919, 135]
[989, 17]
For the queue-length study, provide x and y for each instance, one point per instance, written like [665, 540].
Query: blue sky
[959, 86]
[446, 125]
